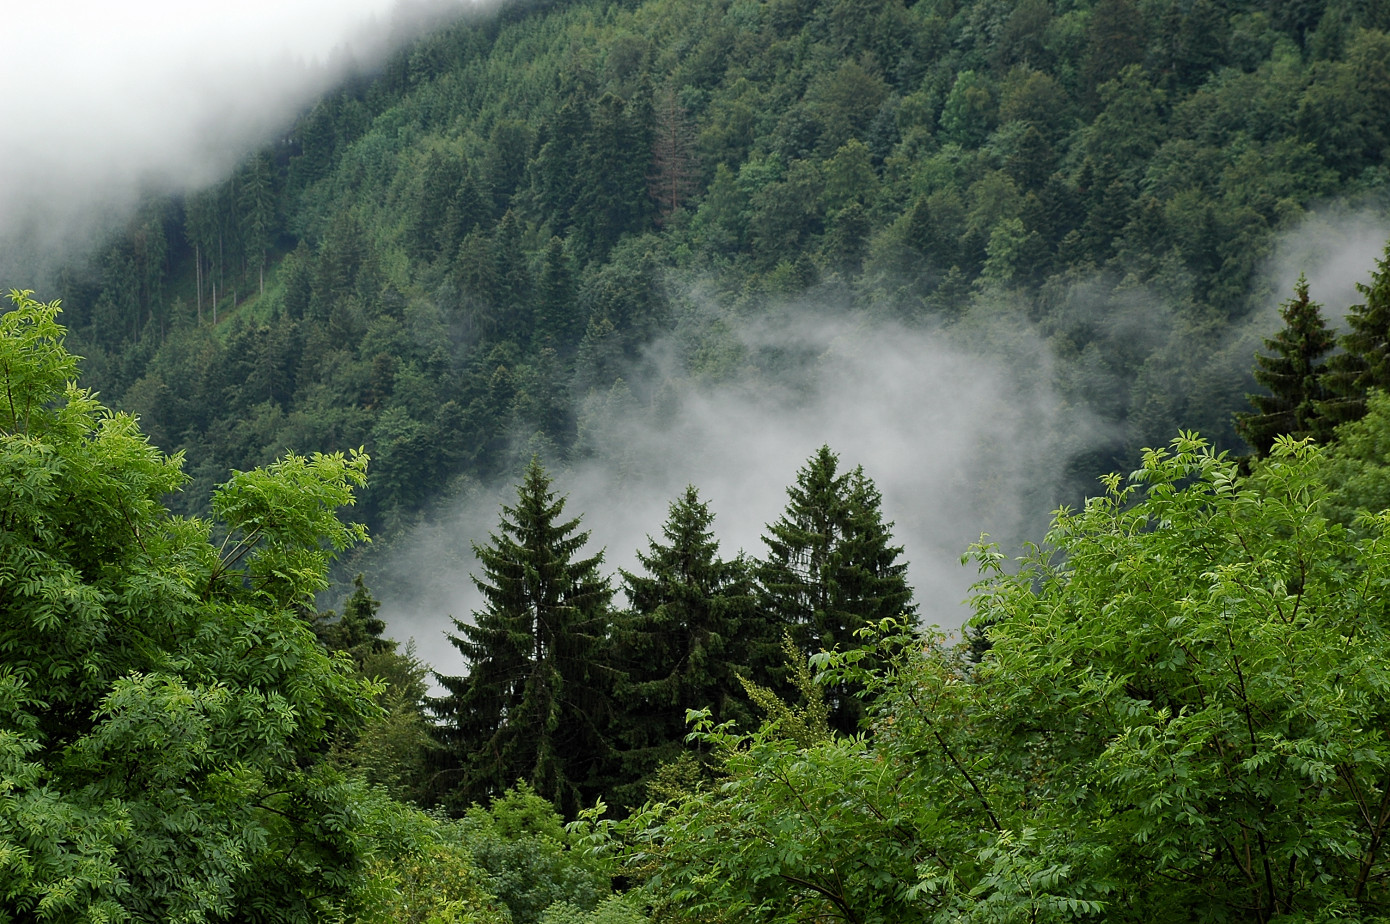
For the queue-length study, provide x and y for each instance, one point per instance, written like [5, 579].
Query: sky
[103, 100]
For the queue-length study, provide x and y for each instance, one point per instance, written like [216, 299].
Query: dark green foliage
[1364, 362]
[534, 704]
[392, 751]
[1292, 371]
[916, 159]
[831, 568]
[358, 630]
[681, 645]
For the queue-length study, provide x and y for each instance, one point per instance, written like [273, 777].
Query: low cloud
[958, 439]
[106, 101]
[1336, 249]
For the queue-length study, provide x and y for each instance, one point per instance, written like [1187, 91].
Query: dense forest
[454, 262]
[1171, 707]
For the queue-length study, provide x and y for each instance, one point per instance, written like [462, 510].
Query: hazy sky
[103, 99]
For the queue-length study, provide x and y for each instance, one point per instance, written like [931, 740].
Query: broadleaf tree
[1182, 717]
[165, 705]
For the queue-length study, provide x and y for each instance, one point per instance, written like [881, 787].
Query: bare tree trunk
[198, 273]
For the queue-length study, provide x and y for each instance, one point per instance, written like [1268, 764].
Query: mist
[1336, 249]
[979, 427]
[961, 440]
[106, 102]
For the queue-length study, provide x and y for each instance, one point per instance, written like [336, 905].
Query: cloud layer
[959, 440]
[104, 101]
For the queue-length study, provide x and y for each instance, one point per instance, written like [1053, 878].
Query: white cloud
[105, 100]
[959, 441]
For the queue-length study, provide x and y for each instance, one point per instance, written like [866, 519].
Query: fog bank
[959, 440]
[105, 101]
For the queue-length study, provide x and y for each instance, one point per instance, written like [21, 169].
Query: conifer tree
[358, 630]
[393, 750]
[1365, 361]
[532, 705]
[831, 567]
[678, 647]
[1292, 372]
[558, 323]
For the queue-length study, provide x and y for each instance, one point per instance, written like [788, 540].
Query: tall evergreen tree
[678, 647]
[1292, 371]
[1364, 362]
[533, 704]
[831, 567]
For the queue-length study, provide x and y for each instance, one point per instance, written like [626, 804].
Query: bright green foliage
[163, 705]
[512, 863]
[534, 703]
[529, 858]
[439, 884]
[1182, 717]
[804, 826]
[831, 568]
[1356, 468]
[1196, 690]
[1292, 372]
[282, 519]
[678, 647]
[617, 909]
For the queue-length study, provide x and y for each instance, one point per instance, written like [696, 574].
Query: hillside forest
[456, 272]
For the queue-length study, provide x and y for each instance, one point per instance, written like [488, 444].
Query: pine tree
[832, 568]
[358, 630]
[678, 646]
[558, 321]
[533, 704]
[1364, 362]
[1292, 372]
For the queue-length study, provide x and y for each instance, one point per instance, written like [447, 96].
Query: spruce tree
[831, 567]
[533, 704]
[678, 646]
[358, 631]
[1364, 362]
[1292, 371]
[393, 751]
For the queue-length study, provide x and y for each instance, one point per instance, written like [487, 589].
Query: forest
[455, 272]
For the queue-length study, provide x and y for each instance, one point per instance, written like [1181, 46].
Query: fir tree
[532, 705]
[393, 750]
[1292, 372]
[358, 631]
[1365, 361]
[832, 568]
[677, 648]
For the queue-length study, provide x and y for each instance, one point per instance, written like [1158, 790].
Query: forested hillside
[1171, 707]
[443, 262]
